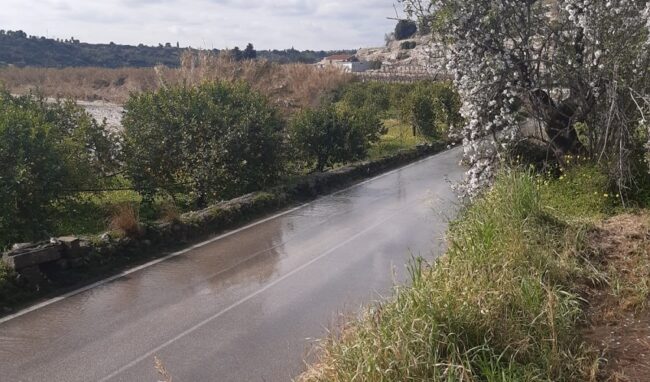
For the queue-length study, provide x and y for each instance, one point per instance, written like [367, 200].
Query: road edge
[125, 256]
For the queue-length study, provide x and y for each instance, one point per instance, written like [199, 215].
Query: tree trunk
[559, 121]
[560, 128]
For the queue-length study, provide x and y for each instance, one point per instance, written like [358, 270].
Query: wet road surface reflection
[242, 308]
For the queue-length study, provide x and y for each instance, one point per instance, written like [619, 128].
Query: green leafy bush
[366, 129]
[89, 147]
[48, 152]
[385, 98]
[431, 108]
[327, 136]
[405, 29]
[424, 112]
[450, 101]
[370, 95]
[30, 176]
[214, 141]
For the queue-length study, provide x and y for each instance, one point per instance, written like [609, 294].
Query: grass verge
[399, 136]
[504, 304]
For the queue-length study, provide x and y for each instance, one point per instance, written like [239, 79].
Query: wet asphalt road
[247, 306]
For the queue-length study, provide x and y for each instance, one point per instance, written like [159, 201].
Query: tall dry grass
[88, 84]
[290, 86]
[125, 218]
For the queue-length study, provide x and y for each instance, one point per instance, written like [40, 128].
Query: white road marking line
[245, 299]
[199, 245]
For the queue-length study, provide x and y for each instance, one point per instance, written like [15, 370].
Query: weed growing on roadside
[500, 306]
[126, 219]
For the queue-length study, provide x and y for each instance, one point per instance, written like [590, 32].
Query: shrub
[47, 151]
[407, 45]
[431, 108]
[451, 103]
[170, 212]
[215, 141]
[371, 95]
[366, 129]
[30, 175]
[412, 103]
[386, 99]
[89, 148]
[125, 218]
[327, 136]
[405, 29]
[423, 111]
[597, 49]
[319, 135]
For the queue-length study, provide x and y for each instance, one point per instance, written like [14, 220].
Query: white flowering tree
[575, 70]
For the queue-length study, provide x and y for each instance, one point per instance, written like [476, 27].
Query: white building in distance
[348, 63]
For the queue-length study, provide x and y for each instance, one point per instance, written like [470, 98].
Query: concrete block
[33, 256]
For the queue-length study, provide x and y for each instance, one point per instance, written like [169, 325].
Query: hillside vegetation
[19, 49]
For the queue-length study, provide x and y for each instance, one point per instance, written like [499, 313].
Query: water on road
[246, 306]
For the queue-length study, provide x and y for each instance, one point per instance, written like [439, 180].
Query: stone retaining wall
[400, 74]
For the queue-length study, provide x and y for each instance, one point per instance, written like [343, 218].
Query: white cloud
[304, 24]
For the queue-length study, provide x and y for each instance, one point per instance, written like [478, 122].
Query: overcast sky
[304, 24]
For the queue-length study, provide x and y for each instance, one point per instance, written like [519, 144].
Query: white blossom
[499, 52]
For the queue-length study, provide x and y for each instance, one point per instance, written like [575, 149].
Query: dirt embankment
[618, 317]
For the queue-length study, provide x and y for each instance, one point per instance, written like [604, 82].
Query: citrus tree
[49, 152]
[327, 135]
[214, 141]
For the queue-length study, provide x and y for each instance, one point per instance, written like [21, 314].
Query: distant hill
[19, 49]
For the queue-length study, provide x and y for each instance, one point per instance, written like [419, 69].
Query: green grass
[579, 193]
[398, 137]
[502, 305]
[90, 213]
